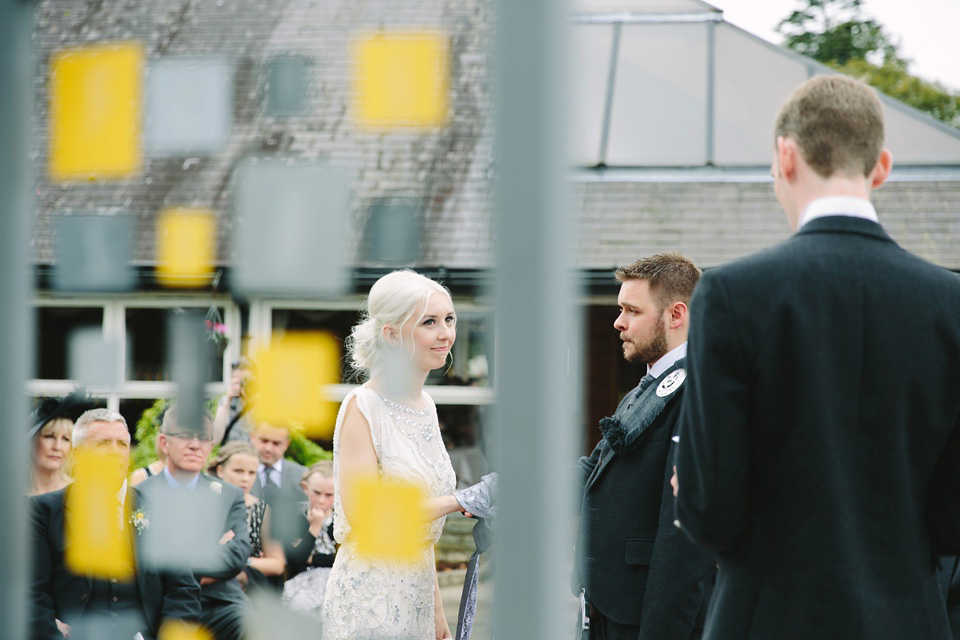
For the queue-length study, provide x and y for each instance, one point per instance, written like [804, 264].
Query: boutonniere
[216, 487]
[140, 521]
[613, 432]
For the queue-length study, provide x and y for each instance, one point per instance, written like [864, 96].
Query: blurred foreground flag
[294, 371]
[97, 524]
[402, 79]
[389, 519]
[289, 227]
[185, 246]
[95, 102]
[179, 630]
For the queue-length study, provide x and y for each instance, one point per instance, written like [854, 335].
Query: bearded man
[639, 576]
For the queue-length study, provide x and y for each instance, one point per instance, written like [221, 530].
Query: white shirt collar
[262, 471]
[838, 206]
[668, 360]
[173, 484]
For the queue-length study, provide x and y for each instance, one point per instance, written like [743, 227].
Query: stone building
[670, 137]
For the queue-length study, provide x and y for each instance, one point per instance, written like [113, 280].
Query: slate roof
[617, 218]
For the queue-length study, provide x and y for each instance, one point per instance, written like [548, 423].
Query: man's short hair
[82, 425]
[837, 122]
[168, 424]
[672, 277]
[269, 425]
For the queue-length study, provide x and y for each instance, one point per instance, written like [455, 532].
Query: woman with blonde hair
[50, 453]
[387, 428]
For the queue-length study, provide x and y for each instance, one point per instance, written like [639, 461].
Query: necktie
[645, 382]
[270, 489]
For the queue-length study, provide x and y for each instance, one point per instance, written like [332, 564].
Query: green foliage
[930, 97]
[836, 33]
[306, 451]
[148, 426]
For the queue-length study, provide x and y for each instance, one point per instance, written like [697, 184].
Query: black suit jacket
[58, 593]
[820, 446]
[636, 567]
[226, 512]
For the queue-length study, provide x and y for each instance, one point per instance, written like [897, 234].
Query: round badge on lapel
[671, 383]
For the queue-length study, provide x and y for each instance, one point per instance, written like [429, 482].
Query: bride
[388, 428]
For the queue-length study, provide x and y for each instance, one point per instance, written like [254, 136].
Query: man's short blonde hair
[837, 122]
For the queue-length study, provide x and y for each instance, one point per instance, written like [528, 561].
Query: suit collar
[844, 224]
[634, 419]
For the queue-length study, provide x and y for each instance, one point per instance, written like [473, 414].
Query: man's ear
[881, 171]
[787, 152]
[162, 443]
[678, 313]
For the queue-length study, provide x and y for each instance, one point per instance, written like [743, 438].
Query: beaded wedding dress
[372, 599]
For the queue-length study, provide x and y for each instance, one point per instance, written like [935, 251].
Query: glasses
[202, 438]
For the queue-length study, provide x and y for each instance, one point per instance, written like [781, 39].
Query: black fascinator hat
[51, 408]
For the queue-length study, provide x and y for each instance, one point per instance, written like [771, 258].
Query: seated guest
[236, 463]
[197, 513]
[57, 593]
[49, 453]
[276, 477]
[313, 556]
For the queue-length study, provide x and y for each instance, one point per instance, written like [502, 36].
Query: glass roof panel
[659, 106]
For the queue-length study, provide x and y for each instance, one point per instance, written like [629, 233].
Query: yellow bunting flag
[402, 80]
[293, 373]
[388, 519]
[179, 630]
[95, 103]
[98, 541]
[185, 246]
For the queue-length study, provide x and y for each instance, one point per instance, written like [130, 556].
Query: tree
[836, 33]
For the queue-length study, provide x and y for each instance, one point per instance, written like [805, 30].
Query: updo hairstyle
[393, 300]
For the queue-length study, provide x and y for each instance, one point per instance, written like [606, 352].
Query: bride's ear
[390, 335]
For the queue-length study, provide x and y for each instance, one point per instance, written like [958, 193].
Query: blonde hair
[323, 468]
[393, 301]
[57, 426]
[227, 451]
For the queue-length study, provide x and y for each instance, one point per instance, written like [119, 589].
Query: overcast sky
[928, 30]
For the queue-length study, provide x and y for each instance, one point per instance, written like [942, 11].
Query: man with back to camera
[639, 577]
[819, 448]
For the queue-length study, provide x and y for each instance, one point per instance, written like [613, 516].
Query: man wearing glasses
[199, 522]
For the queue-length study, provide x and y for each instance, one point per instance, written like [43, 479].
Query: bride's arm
[358, 458]
[440, 620]
[441, 506]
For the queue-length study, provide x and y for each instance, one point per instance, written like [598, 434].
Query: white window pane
[659, 106]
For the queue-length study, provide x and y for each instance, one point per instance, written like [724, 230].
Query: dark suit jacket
[56, 592]
[290, 477]
[950, 586]
[820, 446]
[228, 513]
[636, 567]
